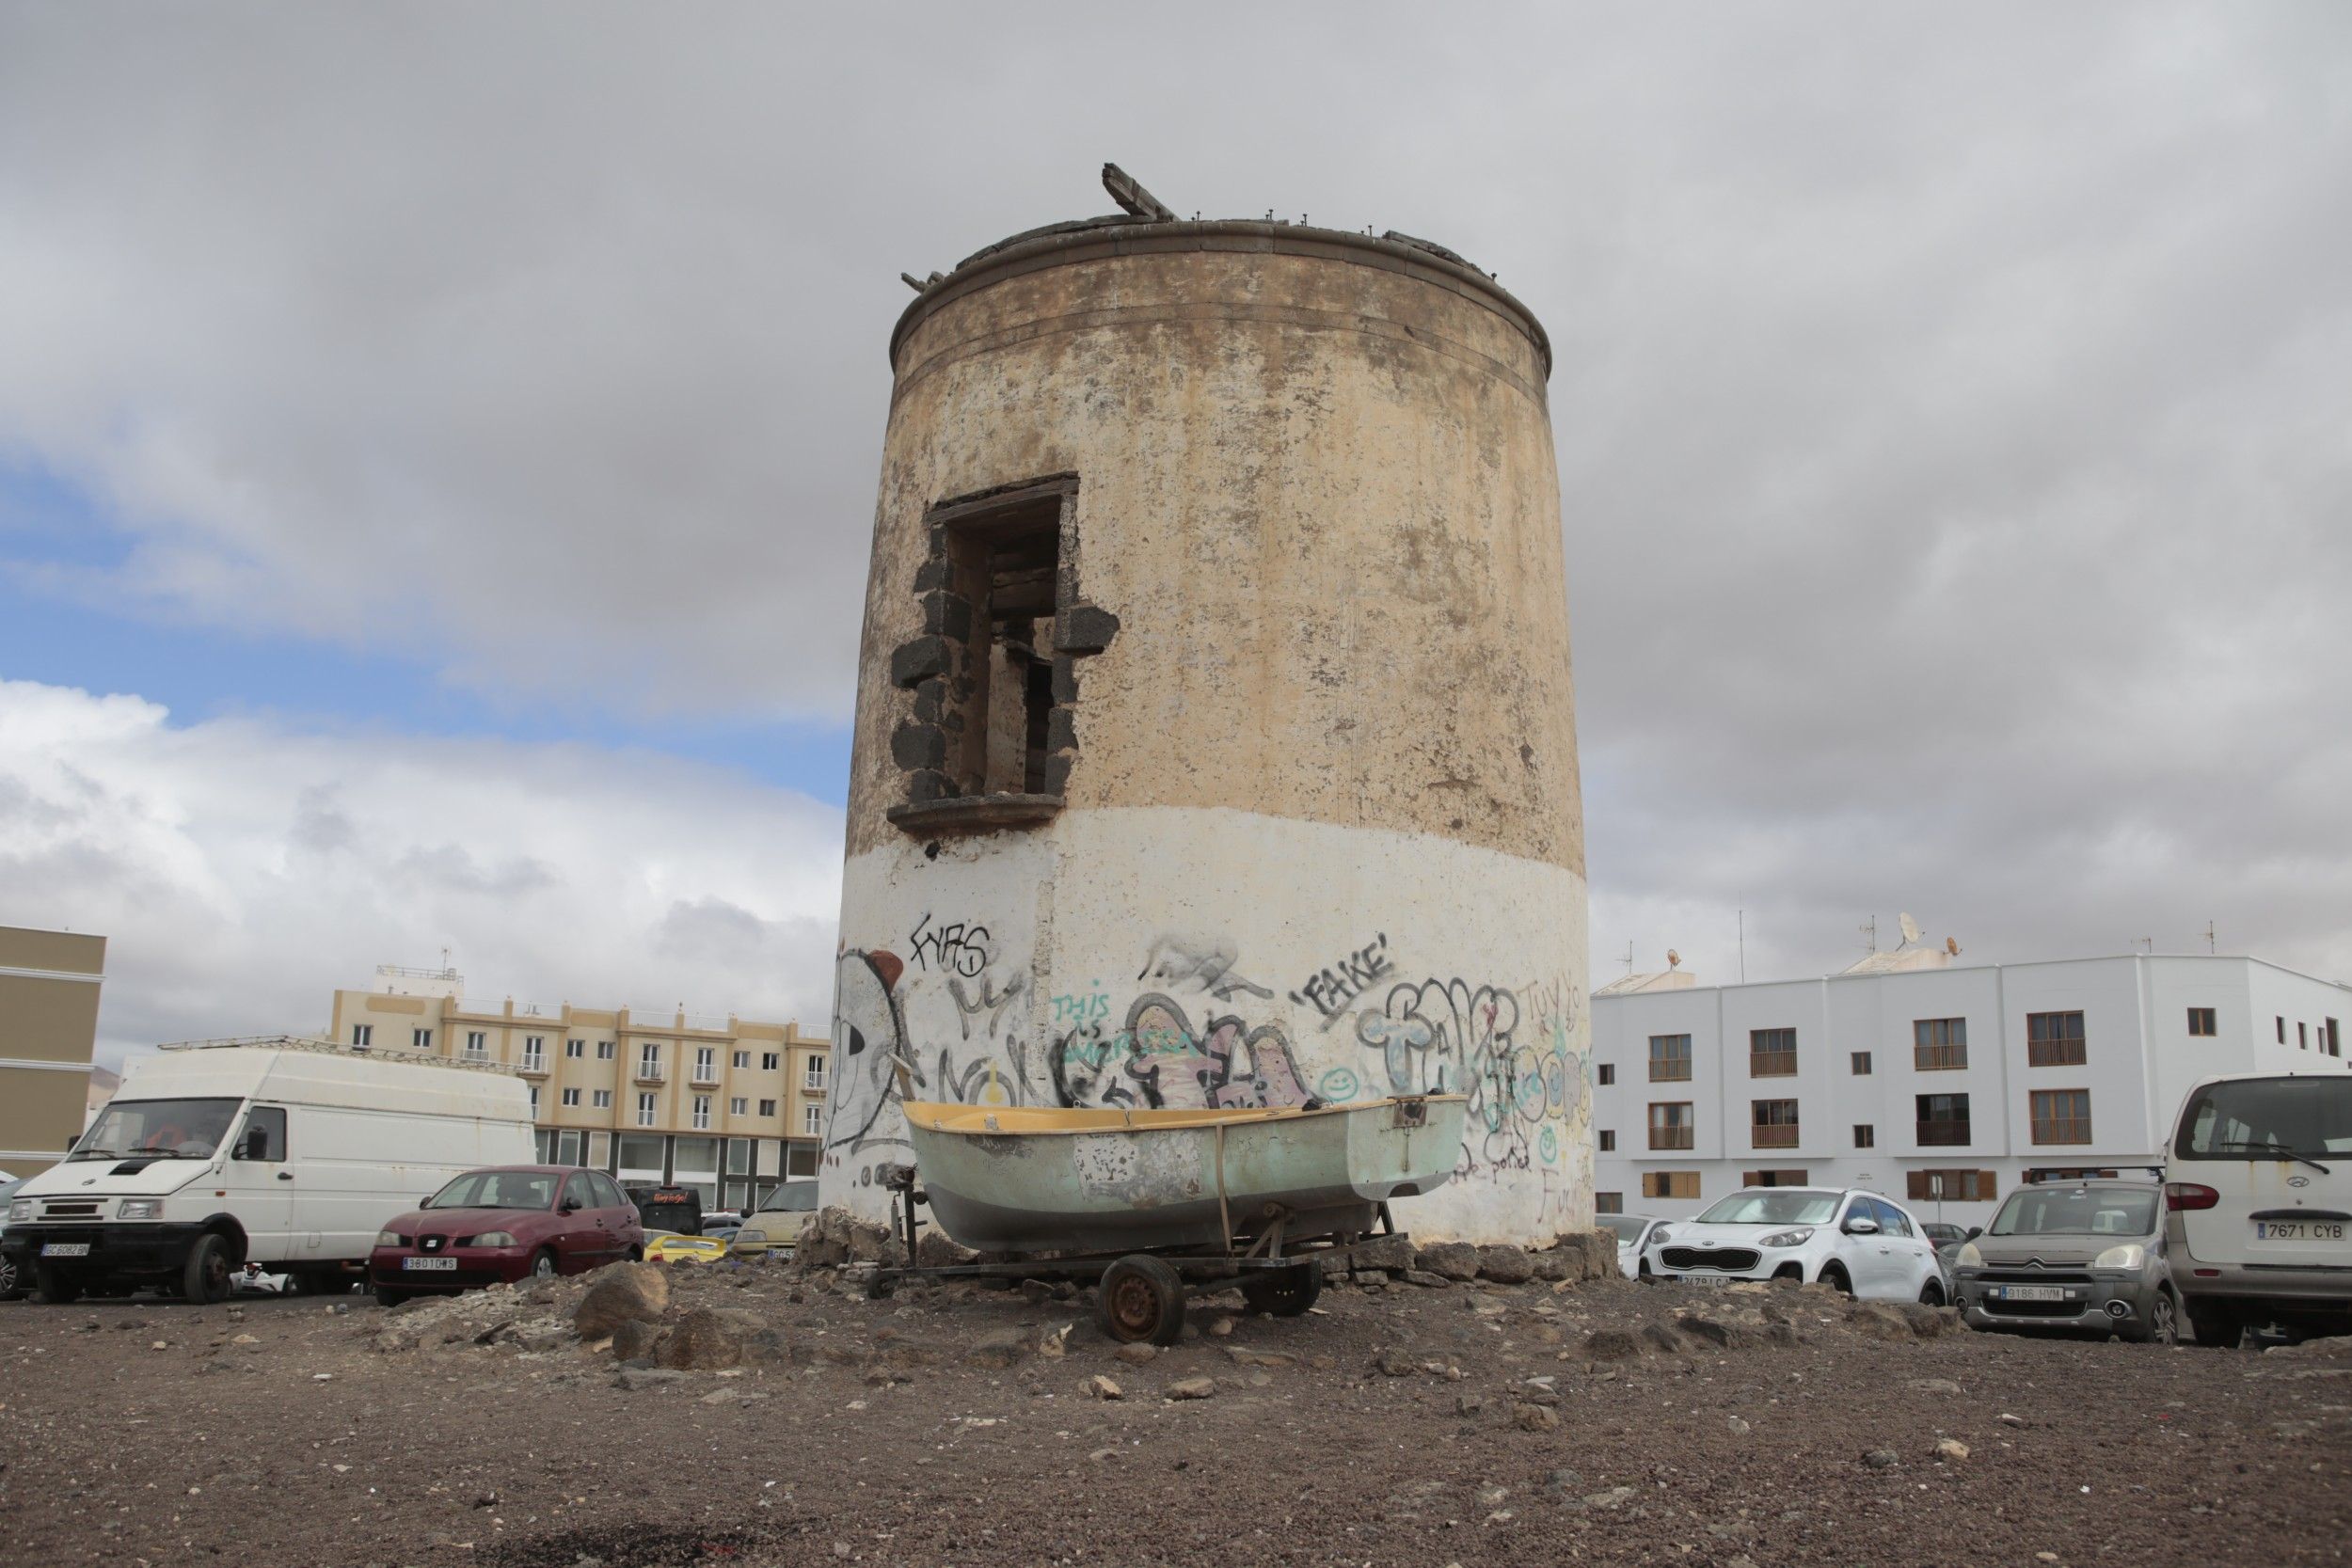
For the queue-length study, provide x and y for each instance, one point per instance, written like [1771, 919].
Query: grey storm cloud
[1951, 403]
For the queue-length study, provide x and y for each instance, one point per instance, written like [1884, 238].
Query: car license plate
[2298, 1230]
[65, 1249]
[2030, 1293]
[428, 1263]
[1704, 1278]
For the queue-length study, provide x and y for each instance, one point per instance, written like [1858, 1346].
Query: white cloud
[241, 872]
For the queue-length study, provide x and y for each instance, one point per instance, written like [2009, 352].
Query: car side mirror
[1975, 1231]
[571, 1206]
[1862, 1227]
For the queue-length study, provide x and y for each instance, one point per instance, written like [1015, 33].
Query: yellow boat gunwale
[1029, 1121]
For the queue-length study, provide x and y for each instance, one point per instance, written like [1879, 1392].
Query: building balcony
[1672, 1137]
[816, 1089]
[650, 1072]
[705, 1078]
[2064, 1132]
[1943, 1134]
[533, 1067]
[1678, 1071]
[1771, 1064]
[1774, 1137]
[1939, 1058]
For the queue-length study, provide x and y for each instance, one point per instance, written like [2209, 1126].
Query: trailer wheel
[1283, 1293]
[1141, 1299]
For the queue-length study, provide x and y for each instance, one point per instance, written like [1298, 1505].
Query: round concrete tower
[1215, 741]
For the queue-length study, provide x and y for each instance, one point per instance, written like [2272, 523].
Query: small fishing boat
[1006, 1179]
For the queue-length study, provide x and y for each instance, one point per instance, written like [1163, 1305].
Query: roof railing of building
[332, 1048]
[673, 1018]
[404, 973]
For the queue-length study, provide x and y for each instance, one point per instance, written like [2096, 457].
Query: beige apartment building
[49, 983]
[726, 1105]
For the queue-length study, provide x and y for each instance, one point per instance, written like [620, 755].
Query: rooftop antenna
[2210, 939]
[1629, 960]
[2146, 945]
[1743, 947]
[1870, 930]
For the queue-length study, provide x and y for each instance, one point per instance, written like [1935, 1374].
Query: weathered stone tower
[1216, 742]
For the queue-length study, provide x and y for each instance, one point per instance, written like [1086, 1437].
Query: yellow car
[664, 1246]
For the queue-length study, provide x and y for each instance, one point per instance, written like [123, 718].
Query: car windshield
[791, 1198]
[1627, 1226]
[2077, 1212]
[2277, 1118]
[497, 1189]
[1772, 1208]
[186, 1129]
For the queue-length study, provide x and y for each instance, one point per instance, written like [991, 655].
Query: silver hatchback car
[2084, 1254]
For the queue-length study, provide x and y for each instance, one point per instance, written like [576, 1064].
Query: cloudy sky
[438, 449]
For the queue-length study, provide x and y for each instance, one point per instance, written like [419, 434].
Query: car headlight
[1787, 1237]
[140, 1208]
[388, 1238]
[759, 1236]
[2127, 1257]
[494, 1237]
[1658, 1236]
[1968, 1257]
[21, 1209]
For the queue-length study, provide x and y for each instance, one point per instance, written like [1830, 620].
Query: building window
[1944, 1120]
[1670, 1183]
[1772, 1124]
[645, 1110]
[705, 1065]
[2054, 1039]
[477, 1048]
[535, 1103]
[702, 1113]
[767, 1107]
[1669, 1058]
[1606, 1074]
[813, 1077]
[1861, 1064]
[1609, 1203]
[771, 1060]
[534, 1054]
[991, 673]
[1951, 1186]
[742, 1059]
[1864, 1135]
[1671, 1125]
[362, 1035]
[606, 1050]
[2282, 1028]
[2302, 1036]
[1772, 1053]
[602, 1100]
[571, 1097]
[813, 1120]
[649, 1061]
[1775, 1179]
[575, 1048]
[1939, 1044]
[421, 1038]
[1608, 1142]
[2333, 1038]
[740, 1106]
[2061, 1116]
[2200, 1022]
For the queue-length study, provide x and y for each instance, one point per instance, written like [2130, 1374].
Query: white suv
[1855, 1240]
[2258, 1194]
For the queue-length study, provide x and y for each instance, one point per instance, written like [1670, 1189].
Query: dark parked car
[1946, 1237]
[676, 1210]
[507, 1224]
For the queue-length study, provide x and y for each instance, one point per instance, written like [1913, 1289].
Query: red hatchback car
[507, 1224]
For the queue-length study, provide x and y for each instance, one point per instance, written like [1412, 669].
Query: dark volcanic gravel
[156, 1438]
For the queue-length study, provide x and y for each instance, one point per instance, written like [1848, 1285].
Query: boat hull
[1017, 1180]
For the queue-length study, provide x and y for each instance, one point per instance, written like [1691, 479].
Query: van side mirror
[256, 1145]
[1862, 1227]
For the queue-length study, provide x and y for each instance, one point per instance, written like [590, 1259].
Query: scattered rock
[1934, 1386]
[1612, 1345]
[1951, 1448]
[1394, 1363]
[1454, 1260]
[1220, 1327]
[1002, 1347]
[1391, 1253]
[1191, 1389]
[933, 1250]
[1738, 1428]
[1881, 1459]
[1245, 1356]
[703, 1340]
[625, 1292]
[634, 1339]
[1506, 1265]
[1103, 1388]
[1136, 1355]
[1427, 1281]
[1535, 1418]
[645, 1377]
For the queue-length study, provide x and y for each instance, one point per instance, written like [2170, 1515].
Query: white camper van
[290, 1153]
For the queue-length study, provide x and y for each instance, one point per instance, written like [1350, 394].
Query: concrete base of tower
[1188, 957]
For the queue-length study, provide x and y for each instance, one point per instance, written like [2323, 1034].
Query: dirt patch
[1467, 1422]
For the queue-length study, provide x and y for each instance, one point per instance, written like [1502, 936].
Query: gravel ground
[1397, 1426]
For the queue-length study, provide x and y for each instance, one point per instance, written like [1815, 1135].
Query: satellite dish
[1672, 957]
[1911, 929]
[1952, 947]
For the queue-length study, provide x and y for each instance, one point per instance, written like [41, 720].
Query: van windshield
[2076, 1211]
[175, 1129]
[2276, 1119]
[791, 1198]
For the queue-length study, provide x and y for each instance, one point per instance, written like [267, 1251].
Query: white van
[2258, 1200]
[288, 1153]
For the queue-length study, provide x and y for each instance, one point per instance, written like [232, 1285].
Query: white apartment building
[1912, 1076]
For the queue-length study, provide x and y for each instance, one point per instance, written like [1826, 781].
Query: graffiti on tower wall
[966, 1026]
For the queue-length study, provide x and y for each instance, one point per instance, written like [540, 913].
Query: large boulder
[1579, 1255]
[933, 1250]
[834, 1238]
[1391, 1253]
[1455, 1260]
[634, 1339]
[626, 1292]
[701, 1341]
[1506, 1265]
